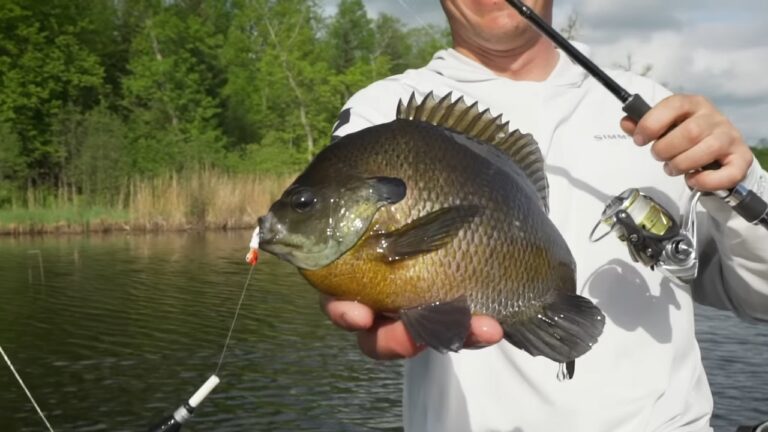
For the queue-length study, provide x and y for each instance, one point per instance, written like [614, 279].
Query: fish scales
[433, 223]
[456, 175]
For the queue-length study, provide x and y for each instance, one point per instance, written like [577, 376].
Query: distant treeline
[94, 93]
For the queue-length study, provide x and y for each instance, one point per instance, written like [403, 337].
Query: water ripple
[125, 327]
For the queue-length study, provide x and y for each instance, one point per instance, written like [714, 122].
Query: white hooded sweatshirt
[645, 372]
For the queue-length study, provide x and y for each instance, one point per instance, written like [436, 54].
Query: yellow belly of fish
[474, 265]
[361, 276]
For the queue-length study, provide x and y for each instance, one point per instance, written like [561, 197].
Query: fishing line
[413, 14]
[234, 320]
[418, 18]
[185, 411]
[172, 423]
[29, 395]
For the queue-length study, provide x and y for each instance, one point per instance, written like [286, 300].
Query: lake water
[115, 331]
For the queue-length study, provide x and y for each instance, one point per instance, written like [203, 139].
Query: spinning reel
[653, 237]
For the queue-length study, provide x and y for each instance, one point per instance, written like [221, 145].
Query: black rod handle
[636, 107]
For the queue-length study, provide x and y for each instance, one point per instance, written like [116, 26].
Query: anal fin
[442, 326]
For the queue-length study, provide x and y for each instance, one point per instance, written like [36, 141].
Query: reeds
[205, 199]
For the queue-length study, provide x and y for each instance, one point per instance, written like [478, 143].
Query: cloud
[412, 12]
[703, 47]
[626, 18]
[606, 18]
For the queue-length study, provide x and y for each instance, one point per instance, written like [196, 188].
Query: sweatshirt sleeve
[733, 256]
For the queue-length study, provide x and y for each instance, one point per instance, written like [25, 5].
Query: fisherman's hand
[689, 133]
[387, 339]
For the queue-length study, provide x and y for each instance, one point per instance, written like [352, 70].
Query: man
[645, 372]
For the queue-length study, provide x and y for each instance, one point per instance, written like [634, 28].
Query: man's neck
[534, 62]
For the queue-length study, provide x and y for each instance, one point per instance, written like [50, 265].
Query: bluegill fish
[436, 216]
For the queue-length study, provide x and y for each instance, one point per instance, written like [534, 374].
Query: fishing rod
[741, 199]
[184, 412]
[173, 422]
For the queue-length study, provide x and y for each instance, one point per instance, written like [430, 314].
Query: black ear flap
[388, 189]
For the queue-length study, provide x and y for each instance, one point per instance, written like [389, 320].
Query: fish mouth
[294, 248]
[289, 251]
[270, 231]
[278, 245]
[273, 237]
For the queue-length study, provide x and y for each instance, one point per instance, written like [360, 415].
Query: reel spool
[653, 237]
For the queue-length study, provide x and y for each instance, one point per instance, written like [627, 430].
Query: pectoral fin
[441, 326]
[425, 234]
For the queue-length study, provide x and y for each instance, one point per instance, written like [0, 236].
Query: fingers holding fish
[349, 315]
[388, 339]
[483, 331]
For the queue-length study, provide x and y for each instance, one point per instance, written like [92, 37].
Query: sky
[717, 49]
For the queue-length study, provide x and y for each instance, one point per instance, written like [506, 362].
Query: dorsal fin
[482, 126]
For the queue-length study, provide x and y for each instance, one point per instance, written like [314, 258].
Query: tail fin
[563, 330]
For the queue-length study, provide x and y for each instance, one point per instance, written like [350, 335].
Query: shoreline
[113, 227]
[201, 201]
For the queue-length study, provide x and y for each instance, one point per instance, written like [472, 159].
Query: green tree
[98, 164]
[12, 164]
[761, 152]
[426, 41]
[350, 36]
[392, 42]
[95, 91]
[44, 67]
[172, 92]
[277, 94]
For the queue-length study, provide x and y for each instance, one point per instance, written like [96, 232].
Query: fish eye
[303, 200]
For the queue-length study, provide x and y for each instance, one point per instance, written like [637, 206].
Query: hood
[455, 66]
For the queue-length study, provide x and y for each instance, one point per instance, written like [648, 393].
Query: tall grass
[206, 199]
